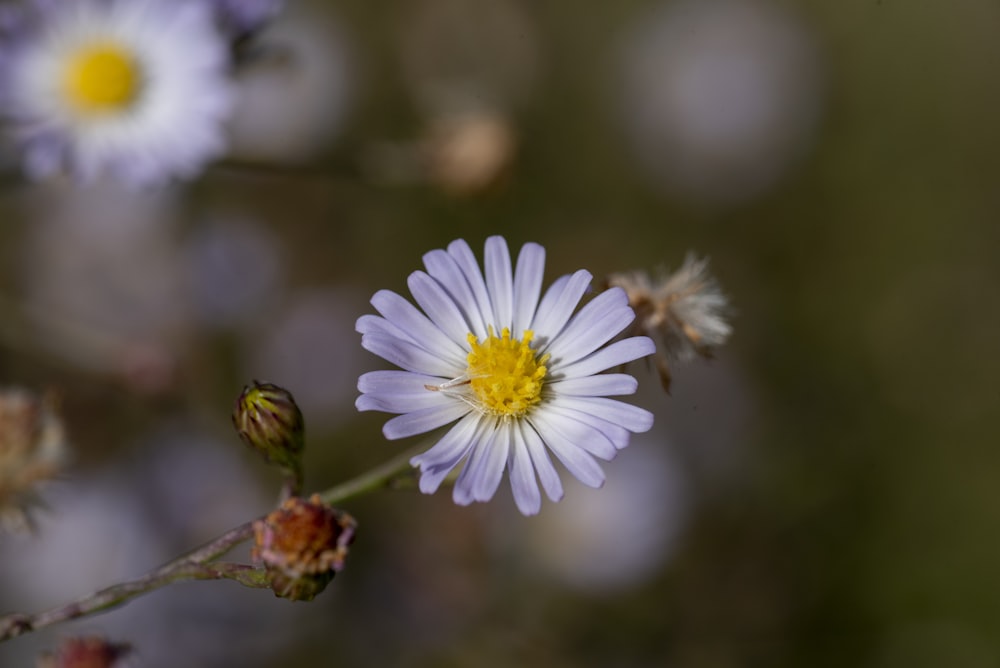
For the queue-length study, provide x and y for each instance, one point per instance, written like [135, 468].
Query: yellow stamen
[505, 373]
[101, 78]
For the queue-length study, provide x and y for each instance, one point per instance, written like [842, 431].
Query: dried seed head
[684, 312]
[32, 449]
[302, 544]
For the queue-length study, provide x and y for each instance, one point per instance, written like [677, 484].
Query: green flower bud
[269, 421]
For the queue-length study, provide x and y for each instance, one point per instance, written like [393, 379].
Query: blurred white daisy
[135, 90]
[521, 375]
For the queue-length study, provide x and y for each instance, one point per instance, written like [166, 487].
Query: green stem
[389, 475]
[199, 564]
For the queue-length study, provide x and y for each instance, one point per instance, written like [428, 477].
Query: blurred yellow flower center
[102, 77]
[505, 373]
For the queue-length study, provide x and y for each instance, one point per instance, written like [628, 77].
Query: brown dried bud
[302, 544]
[32, 449]
[86, 652]
[269, 421]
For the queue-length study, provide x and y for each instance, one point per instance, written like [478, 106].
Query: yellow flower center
[101, 78]
[505, 373]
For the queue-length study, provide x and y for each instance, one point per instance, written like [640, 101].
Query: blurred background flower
[295, 88]
[823, 493]
[719, 97]
[133, 91]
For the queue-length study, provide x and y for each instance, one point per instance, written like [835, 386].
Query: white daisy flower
[521, 375]
[135, 90]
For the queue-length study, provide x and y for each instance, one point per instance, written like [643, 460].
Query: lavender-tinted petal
[499, 282]
[409, 356]
[580, 464]
[615, 354]
[630, 417]
[598, 385]
[418, 326]
[439, 306]
[557, 306]
[466, 262]
[422, 421]
[593, 326]
[445, 270]
[618, 435]
[522, 476]
[564, 426]
[527, 286]
[547, 473]
[444, 456]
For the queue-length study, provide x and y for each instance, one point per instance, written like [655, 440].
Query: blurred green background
[824, 493]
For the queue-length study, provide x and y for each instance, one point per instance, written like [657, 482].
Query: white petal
[553, 426]
[630, 417]
[547, 473]
[398, 392]
[464, 491]
[615, 354]
[527, 286]
[438, 462]
[522, 476]
[420, 329]
[596, 323]
[376, 324]
[392, 381]
[557, 306]
[419, 422]
[466, 262]
[499, 282]
[438, 305]
[576, 460]
[487, 478]
[400, 403]
[409, 356]
[618, 435]
[445, 270]
[599, 385]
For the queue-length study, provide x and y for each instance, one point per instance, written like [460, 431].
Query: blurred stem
[198, 563]
[294, 480]
[394, 474]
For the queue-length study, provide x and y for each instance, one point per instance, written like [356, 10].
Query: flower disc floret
[102, 78]
[505, 374]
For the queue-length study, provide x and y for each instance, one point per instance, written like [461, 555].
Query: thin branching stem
[200, 564]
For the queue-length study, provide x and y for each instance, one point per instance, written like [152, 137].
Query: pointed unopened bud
[269, 421]
[302, 545]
